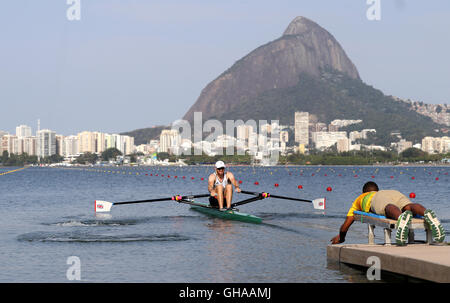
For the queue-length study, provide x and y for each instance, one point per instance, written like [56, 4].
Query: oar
[317, 203]
[105, 206]
[247, 201]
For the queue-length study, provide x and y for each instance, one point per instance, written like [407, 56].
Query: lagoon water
[47, 216]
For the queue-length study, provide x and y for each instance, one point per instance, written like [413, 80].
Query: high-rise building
[129, 144]
[100, 142]
[301, 128]
[87, 142]
[169, 138]
[70, 146]
[29, 145]
[59, 143]
[434, 145]
[9, 143]
[23, 131]
[46, 143]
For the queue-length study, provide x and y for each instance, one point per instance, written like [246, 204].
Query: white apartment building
[23, 131]
[433, 145]
[168, 139]
[355, 135]
[86, 142]
[69, 146]
[301, 128]
[46, 143]
[323, 140]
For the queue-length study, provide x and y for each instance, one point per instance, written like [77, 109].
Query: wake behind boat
[229, 214]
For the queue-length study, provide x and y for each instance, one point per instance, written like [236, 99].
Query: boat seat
[372, 220]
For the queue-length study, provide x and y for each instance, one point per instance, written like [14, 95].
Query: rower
[220, 185]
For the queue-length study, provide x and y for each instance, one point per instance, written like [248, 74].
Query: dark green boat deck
[226, 215]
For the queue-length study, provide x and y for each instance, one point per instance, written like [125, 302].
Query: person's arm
[234, 182]
[348, 221]
[211, 180]
[343, 230]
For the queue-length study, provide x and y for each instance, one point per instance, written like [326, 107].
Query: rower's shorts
[384, 197]
[215, 203]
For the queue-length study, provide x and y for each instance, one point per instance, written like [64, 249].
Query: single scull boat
[206, 208]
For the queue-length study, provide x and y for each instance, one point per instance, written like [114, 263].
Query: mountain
[305, 69]
[304, 47]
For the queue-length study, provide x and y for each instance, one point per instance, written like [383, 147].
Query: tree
[413, 153]
[87, 158]
[5, 157]
[111, 153]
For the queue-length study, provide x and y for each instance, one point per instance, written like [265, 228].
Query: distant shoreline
[248, 165]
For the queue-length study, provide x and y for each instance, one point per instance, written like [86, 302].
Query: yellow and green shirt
[362, 203]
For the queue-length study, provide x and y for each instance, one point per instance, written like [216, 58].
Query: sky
[130, 64]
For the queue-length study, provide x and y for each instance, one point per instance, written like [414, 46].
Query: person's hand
[336, 240]
[238, 189]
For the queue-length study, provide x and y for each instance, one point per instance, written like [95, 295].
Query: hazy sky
[138, 63]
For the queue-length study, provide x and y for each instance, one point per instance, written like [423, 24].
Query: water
[48, 216]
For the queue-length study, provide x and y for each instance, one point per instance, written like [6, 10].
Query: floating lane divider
[13, 171]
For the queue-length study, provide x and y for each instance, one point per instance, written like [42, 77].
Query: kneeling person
[220, 185]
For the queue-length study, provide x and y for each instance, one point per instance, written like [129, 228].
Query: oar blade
[102, 206]
[319, 203]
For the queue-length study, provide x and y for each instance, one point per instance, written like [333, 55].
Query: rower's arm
[211, 185]
[233, 181]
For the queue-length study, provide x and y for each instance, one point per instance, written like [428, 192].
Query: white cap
[220, 164]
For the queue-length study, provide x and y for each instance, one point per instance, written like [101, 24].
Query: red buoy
[256, 183]
[240, 181]
[300, 186]
[329, 188]
[276, 184]
[412, 195]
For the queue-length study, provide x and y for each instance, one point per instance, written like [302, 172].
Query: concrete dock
[420, 261]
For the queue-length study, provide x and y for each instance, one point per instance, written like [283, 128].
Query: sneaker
[437, 230]
[222, 209]
[401, 237]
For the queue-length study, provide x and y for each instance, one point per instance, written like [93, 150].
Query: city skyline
[129, 66]
[309, 135]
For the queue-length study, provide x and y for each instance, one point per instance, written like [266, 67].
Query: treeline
[7, 159]
[411, 155]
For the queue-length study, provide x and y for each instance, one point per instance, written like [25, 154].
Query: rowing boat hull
[227, 215]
